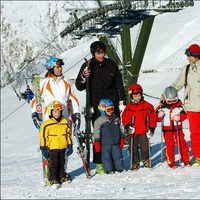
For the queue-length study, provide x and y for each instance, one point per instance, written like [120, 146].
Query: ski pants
[171, 140]
[194, 124]
[56, 164]
[112, 153]
[139, 141]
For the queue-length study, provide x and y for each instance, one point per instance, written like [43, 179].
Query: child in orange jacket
[172, 113]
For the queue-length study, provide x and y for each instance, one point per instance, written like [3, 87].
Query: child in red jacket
[171, 112]
[139, 120]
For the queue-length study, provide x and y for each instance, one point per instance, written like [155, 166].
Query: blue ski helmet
[103, 104]
[54, 62]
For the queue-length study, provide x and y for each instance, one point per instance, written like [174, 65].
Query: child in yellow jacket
[55, 142]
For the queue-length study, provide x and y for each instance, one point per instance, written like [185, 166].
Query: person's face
[192, 59]
[99, 55]
[57, 70]
[56, 113]
[137, 97]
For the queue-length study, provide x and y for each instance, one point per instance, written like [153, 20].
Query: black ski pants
[56, 164]
[139, 142]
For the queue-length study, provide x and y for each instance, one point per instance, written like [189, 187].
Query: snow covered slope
[21, 169]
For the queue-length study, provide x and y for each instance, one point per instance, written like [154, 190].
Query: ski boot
[146, 163]
[100, 169]
[135, 166]
[172, 165]
[110, 172]
[187, 164]
[197, 162]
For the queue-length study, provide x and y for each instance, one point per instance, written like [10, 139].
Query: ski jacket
[58, 89]
[143, 115]
[108, 132]
[55, 135]
[192, 90]
[105, 82]
[168, 123]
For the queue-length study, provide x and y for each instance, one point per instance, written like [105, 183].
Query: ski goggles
[57, 106]
[110, 109]
[188, 53]
[58, 63]
[172, 101]
[107, 109]
[135, 91]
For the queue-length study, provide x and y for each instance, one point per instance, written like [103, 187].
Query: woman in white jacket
[55, 87]
[190, 79]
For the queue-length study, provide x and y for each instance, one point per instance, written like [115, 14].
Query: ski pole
[178, 143]
[149, 153]
[131, 150]
[161, 142]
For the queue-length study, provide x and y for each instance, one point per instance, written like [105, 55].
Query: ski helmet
[135, 89]
[54, 62]
[54, 105]
[106, 106]
[97, 45]
[170, 95]
[193, 50]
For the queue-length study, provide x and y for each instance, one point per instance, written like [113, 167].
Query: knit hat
[193, 50]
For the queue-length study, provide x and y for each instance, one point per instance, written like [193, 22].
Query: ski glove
[69, 150]
[97, 146]
[121, 107]
[176, 118]
[77, 120]
[85, 74]
[150, 133]
[36, 120]
[45, 151]
[129, 129]
[121, 144]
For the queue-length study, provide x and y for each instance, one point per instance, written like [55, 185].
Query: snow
[21, 168]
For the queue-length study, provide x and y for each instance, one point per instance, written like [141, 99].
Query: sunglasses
[58, 106]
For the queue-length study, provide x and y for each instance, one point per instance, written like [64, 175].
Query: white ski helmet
[170, 94]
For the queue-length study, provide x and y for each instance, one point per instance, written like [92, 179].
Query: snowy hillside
[21, 169]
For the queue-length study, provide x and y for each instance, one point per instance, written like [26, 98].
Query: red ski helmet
[135, 89]
[193, 50]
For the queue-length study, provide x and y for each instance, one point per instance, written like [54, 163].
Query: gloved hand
[45, 151]
[121, 107]
[85, 73]
[77, 120]
[161, 114]
[121, 144]
[69, 150]
[36, 120]
[129, 129]
[176, 118]
[97, 146]
[150, 133]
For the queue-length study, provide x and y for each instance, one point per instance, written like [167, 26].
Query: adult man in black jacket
[105, 82]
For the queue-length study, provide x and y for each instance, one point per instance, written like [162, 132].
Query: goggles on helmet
[188, 53]
[57, 106]
[135, 91]
[107, 109]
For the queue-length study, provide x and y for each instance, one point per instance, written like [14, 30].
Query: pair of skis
[36, 87]
[81, 142]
